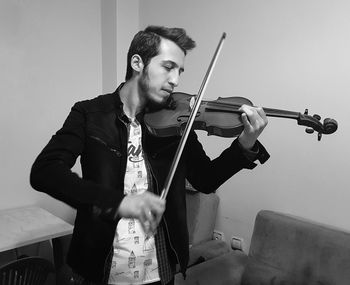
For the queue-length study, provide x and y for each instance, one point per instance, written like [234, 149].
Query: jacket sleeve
[208, 175]
[51, 172]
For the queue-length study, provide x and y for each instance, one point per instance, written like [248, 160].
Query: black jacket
[96, 130]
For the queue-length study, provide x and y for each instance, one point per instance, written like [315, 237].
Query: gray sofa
[201, 218]
[284, 250]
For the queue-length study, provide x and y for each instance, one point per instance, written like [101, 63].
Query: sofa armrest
[286, 249]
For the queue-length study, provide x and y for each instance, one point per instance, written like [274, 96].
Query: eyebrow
[173, 63]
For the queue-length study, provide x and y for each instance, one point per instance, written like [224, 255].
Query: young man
[124, 233]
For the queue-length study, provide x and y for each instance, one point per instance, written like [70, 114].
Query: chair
[26, 271]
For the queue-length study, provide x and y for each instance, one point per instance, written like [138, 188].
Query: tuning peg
[319, 136]
[317, 117]
[309, 130]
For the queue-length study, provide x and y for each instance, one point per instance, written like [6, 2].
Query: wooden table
[27, 225]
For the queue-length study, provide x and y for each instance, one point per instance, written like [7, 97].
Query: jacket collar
[118, 102]
[119, 107]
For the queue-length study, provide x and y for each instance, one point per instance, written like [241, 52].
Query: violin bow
[191, 119]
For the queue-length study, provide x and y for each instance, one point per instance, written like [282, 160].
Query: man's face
[161, 75]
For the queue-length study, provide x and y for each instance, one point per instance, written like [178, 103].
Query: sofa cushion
[291, 250]
[207, 250]
[259, 273]
[225, 269]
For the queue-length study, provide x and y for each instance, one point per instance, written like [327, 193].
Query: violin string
[233, 107]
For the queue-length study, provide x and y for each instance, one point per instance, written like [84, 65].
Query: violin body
[172, 121]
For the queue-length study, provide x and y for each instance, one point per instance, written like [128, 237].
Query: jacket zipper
[157, 190]
[99, 140]
[173, 249]
[111, 252]
[107, 270]
[165, 223]
[106, 145]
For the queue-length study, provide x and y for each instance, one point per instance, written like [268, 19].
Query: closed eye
[168, 68]
[169, 65]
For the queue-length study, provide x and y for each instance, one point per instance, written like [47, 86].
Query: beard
[144, 88]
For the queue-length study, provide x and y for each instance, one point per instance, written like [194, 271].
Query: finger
[151, 211]
[257, 118]
[153, 199]
[151, 219]
[249, 112]
[150, 223]
[243, 107]
[145, 223]
[157, 211]
[146, 226]
[156, 218]
[149, 215]
[142, 218]
[245, 120]
[262, 114]
[157, 207]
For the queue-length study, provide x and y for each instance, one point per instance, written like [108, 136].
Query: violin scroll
[313, 123]
[329, 126]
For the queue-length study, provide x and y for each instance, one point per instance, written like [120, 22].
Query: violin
[222, 117]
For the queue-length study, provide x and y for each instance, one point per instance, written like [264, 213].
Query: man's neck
[133, 102]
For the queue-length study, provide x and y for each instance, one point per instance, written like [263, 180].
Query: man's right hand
[147, 207]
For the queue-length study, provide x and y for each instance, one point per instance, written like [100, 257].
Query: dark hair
[146, 44]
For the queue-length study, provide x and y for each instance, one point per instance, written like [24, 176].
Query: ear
[137, 63]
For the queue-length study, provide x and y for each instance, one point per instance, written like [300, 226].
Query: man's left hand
[254, 120]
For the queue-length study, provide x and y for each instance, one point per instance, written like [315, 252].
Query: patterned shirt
[135, 257]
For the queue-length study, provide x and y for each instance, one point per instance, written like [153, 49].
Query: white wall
[52, 54]
[50, 57]
[109, 45]
[280, 54]
[127, 27]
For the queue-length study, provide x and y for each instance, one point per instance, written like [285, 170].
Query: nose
[174, 79]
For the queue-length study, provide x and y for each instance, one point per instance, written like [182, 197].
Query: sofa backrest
[201, 215]
[289, 250]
